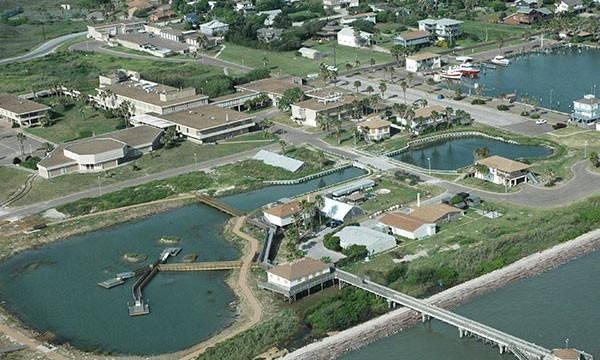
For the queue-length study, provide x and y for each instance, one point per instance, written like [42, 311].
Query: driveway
[10, 147]
[315, 249]
[44, 49]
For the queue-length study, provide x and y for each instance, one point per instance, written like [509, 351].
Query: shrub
[534, 116]
[458, 98]
[478, 102]
[332, 242]
[502, 107]
[16, 161]
[524, 113]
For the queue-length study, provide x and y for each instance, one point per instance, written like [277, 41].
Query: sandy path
[255, 308]
[33, 344]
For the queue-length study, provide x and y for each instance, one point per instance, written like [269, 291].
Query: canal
[451, 154]
[54, 288]
[560, 76]
[546, 309]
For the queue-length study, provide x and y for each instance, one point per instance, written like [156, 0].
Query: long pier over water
[522, 349]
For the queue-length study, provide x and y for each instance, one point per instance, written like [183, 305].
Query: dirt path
[33, 344]
[255, 309]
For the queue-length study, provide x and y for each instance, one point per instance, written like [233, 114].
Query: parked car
[559, 126]
[440, 97]
[541, 122]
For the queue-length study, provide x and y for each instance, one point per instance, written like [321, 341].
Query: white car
[540, 122]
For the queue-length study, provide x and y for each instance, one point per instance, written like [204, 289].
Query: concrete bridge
[522, 349]
[230, 210]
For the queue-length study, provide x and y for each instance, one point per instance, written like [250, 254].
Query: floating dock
[111, 283]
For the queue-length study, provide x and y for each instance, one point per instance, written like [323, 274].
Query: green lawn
[162, 160]
[289, 63]
[80, 70]
[399, 194]
[486, 185]
[12, 179]
[15, 40]
[72, 123]
[473, 28]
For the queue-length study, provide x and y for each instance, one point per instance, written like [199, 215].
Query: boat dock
[203, 266]
[139, 306]
[120, 278]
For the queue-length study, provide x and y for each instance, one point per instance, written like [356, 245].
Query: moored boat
[449, 74]
[500, 60]
[468, 69]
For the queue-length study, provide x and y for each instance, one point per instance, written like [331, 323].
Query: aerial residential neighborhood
[318, 179]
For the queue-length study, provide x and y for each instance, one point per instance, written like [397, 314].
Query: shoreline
[397, 320]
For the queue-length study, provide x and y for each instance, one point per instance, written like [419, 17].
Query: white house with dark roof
[442, 28]
[345, 37]
[502, 171]
[21, 111]
[214, 27]
[564, 6]
[99, 153]
[413, 38]
[587, 110]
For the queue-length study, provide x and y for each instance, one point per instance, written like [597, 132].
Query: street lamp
[99, 185]
[429, 163]
[195, 162]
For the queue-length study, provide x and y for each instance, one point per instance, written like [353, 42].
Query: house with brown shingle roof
[502, 171]
[436, 213]
[413, 38]
[283, 214]
[273, 87]
[297, 276]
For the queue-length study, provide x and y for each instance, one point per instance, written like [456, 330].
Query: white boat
[500, 60]
[450, 74]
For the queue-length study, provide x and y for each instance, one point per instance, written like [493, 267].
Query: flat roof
[352, 187]
[360, 235]
[16, 105]
[157, 41]
[319, 105]
[281, 161]
[503, 164]
[135, 136]
[56, 158]
[205, 117]
[426, 111]
[356, 16]
[128, 89]
[152, 121]
[272, 85]
[95, 146]
[424, 56]
[238, 94]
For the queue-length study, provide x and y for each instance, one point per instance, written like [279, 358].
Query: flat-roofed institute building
[502, 171]
[293, 278]
[375, 241]
[103, 32]
[145, 96]
[327, 102]
[100, 153]
[272, 87]
[202, 124]
[21, 111]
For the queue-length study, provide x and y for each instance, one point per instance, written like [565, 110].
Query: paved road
[44, 49]
[97, 46]
[35, 208]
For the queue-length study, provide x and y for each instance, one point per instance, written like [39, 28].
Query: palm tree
[355, 135]
[319, 203]
[372, 61]
[435, 116]
[403, 85]
[594, 158]
[324, 123]
[265, 124]
[409, 78]
[420, 103]
[348, 67]
[47, 147]
[307, 209]
[525, 101]
[283, 144]
[337, 123]
[370, 90]
[392, 73]
[374, 103]
[357, 85]
[21, 138]
[265, 61]
[502, 97]
[382, 89]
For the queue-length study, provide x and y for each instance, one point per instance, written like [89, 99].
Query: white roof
[214, 24]
[349, 31]
[335, 210]
[360, 235]
[152, 121]
[273, 159]
[449, 22]
[306, 50]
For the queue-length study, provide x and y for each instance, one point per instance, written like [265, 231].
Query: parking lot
[10, 147]
[529, 127]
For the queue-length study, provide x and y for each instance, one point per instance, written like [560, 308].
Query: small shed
[311, 53]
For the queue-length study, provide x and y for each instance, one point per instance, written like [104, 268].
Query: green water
[546, 309]
[55, 289]
[452, 154]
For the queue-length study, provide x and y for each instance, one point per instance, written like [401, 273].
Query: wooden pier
[230, 210]
[203, 266]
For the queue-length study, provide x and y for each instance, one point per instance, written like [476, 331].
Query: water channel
[54, 288]
[451, 154]
[560, 76]
[546, 309]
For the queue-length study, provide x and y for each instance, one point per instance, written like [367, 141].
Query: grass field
[289, 63]
[12, 179]
[72, 123]
[472, 28]
[162, 160]
[80, 70]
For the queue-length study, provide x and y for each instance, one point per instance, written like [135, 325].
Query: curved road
[96, 46]
[44, 49]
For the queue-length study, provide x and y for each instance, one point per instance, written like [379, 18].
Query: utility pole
[551, 90]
